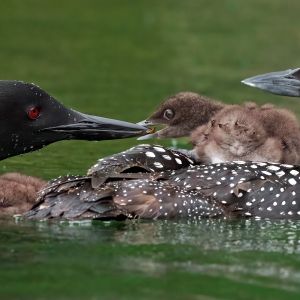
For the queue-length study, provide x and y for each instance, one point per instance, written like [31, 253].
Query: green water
[120, 58]
[146, 260]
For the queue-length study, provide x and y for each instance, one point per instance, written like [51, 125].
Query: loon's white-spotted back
[232, 189]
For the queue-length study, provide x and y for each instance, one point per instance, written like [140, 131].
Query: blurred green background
[121, 58]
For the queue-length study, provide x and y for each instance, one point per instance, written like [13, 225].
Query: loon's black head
[285, 83]
[31, 119]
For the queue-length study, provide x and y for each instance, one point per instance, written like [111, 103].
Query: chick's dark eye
[168, 114]
[33, 112]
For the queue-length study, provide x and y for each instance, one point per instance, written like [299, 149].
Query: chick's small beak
[146, 123]
[151, 131]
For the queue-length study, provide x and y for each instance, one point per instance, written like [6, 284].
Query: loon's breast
[155, 182]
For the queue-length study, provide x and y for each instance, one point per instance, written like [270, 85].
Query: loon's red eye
[33, 112]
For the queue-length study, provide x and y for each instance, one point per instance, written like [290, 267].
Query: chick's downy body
[235, 134]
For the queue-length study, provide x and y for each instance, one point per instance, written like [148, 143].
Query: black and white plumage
[140, 167]
[150, 159]
[233, 189]
[258, 189]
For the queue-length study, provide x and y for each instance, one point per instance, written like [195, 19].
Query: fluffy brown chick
[284, 125]
[184, 112]
[18, 192]
[181, 114]
[235, 133]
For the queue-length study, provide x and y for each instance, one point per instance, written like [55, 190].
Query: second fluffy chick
[236, 133]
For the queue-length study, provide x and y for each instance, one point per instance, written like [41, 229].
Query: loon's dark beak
[286, 83]
[87, 127]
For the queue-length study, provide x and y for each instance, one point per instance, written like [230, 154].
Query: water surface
[209, 259]
[119, 59]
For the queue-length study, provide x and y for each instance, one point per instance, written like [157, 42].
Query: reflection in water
[256, 252]
[281, 236]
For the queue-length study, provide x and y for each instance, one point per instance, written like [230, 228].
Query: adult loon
[30, 119]
[155, 182]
